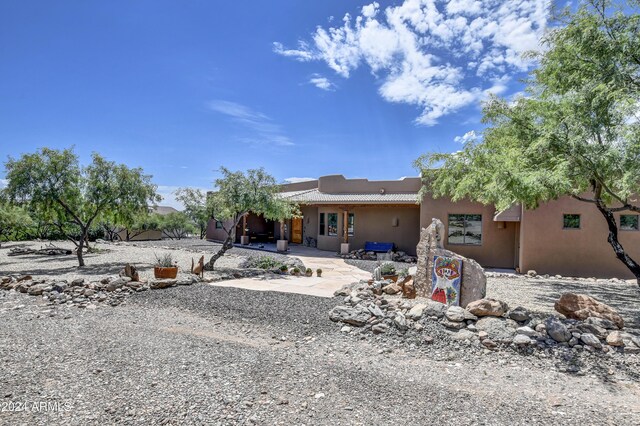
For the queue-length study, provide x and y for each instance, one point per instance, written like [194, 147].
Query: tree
[13, 220]
[140, 222]
[72, 196]
[197, 206]
[576, 133]
[238, 194]
[176, 225]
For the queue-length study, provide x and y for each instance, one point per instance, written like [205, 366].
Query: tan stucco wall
[498, 248]
[547, 248]
[374, 223]
[338, 184]
[144, 236]
[216, 234]
[310, 222]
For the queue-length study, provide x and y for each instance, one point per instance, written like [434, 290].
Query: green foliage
[73, 197]
[176, 225]
[388, 268]
[576, 132]
[197, 206]
[265, 262]
[165, 261]
[14, 220]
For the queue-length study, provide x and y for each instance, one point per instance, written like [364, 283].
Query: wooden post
[244, 225]
[345, 225]
[282, 230]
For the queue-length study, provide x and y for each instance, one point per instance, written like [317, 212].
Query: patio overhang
[512, 214]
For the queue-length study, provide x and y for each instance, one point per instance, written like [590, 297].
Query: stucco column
[244, 239]
[344, 247]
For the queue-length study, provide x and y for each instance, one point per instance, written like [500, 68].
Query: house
[565, 237]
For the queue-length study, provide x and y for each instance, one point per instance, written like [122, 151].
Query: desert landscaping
[196, 352]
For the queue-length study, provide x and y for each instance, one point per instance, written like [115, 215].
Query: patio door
[296, 230]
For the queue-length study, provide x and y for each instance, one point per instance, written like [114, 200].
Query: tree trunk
[631, 264]
[226, 245]
[79, 249]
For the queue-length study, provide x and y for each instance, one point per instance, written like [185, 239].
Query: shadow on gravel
[40, 266]
[625, 298]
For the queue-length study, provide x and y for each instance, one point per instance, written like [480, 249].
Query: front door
[296, 230]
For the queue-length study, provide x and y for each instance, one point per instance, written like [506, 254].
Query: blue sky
[303, 89]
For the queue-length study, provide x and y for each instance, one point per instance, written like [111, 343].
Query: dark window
[571, 221]
[629, 222]
[322, 224]
[465, 229]
[351, 224]
[332, 224]
[218, 224]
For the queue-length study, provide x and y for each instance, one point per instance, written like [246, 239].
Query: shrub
[388, 268]
[265, 262]
[164, 261]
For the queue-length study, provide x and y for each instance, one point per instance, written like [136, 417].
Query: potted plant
[165, 267]
[284, 269]
[295, 271]
[319, 272]
[388, 272]
[308, 272]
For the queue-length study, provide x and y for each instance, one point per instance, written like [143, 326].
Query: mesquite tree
[241, 193]
[576, 133]
[197, 206]
[74, 197]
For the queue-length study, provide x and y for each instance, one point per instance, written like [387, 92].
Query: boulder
[521, 340]
[615, 339]
[392, 289]
[557, 330]
[464, 335]
[591, 340]
[519, 314]
[400, 322]
[497, 329]
[474, 282]
[581, 307]
[37, 289]
[526, 331]
[434, 309]
[158, 284]
[416, 312]
[455, 314]
[487, 307]
[357, 316]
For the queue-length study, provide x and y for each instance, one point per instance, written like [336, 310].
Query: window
[332, 224]
[629, 222]
[218, 224]
[571, 221]
[321, 224]
[350, 224]
[465, 229]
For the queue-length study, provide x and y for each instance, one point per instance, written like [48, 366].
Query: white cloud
[262, 129]
[322, 82]
[469, 136]
[437, 55]
[298, 179]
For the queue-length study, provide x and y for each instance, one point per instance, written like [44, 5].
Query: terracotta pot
[163, 273]
[393, 278]
[319, 274]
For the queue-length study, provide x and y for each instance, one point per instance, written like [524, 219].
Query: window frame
[351, 223]
[637, 228]
[565, 228]
[219, 224]
[322, 224]
[464, 229]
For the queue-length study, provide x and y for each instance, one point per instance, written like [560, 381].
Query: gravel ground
[110, 258]
[210, 355]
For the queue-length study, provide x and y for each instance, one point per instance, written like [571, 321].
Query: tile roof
[313, 196]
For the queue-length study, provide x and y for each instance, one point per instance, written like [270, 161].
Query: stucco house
[565, 237]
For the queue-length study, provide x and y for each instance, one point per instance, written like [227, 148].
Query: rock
[78, 282]
[184, 281]
[357, 316]
[416, 312]
[531, 273]
[474, 281]
[615, 339]
[496, 328]
[541, 328]
[482, 335]
[59, 287]
[591, 340]
[489, 343]
[519, 314]
[601, 322]
[392, 289]
[599, 332]
[557, 330]
[455, 314]
[434, 309]
[453, 325]
[581, 307]
[521, 340]
[24, 278]
[380, 328]
[400, 322]
[345, 329]
[343, 292]
[409, 290]
[115, 284]
[37, 289]
[375, 310]
[463, 335]
[526, 331]
[487, 307]
[158, 284]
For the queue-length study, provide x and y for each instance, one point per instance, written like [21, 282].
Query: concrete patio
[335, 273]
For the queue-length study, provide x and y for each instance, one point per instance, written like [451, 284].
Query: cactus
[377, 274]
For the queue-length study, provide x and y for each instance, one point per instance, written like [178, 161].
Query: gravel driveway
[210, 355]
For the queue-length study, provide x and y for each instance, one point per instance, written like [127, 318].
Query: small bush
[164, 261]
[265, 262]
[388, 269]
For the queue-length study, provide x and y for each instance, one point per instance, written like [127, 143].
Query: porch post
[282, 244]
[344, 247]
[244, 239]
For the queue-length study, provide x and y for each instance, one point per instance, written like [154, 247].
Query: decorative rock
[344, 291]
[455, 314]
[474, 281]
[521, 340]
[597, 331]
[601, 322]
[519, 314]
[392, 289]
[581, 307]
[526, 331]
[591, 340]
[345, 329]
[615, 339]
[496, 328]
[487, 307]
[557, 330]
[78, 282]
[463, 335]
[375, 310]
[416, 312]
[380, 328]
[156, 284]
[531, 273]
[37, 289]
[453, 325]
[400, 322]
[356, 316]
[489, 343]
[435, 309]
